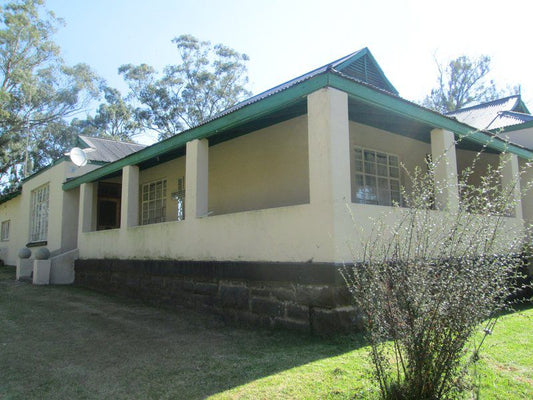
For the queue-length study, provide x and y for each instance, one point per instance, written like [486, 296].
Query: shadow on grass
[65, 342]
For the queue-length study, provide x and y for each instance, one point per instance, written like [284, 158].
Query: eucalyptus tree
[36, 87]
[207, 80]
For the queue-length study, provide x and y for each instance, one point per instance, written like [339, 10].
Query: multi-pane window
[5, 230]
[377, 177]
[39, 214]
[154, 202]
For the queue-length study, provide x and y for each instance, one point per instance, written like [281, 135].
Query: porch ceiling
[386, 120]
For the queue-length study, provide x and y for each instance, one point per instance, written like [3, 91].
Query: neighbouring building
[250, 214]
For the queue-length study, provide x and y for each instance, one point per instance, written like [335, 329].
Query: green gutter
[288, 96]
[238, 117]
[511, 128]
[6, 197]
[420, 114]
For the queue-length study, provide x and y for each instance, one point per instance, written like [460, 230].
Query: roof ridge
[480, 105]
[110, 140]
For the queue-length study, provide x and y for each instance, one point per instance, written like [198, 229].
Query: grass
[63, 342]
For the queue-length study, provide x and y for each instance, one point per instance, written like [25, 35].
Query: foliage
[114, 119]
[425, 279]
[207, 80]
[37, 88]
[462, 82]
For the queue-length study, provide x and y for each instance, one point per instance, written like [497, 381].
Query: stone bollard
[41, 267]
[24, 264]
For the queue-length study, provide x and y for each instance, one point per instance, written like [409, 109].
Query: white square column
[329, 147]
[129, 203]
[511, 182]
[329, 171]
[196, 178]
[445, 160]
[87, 210]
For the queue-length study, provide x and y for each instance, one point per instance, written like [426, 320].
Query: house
[250, 214]
[41, 214]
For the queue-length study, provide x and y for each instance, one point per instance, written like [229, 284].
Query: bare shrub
[427, 278]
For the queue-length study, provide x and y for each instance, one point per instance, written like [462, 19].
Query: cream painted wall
[10, 211]
[267, 168]
[62, 214]
[264, 169]
[465, 159]
[411, 152]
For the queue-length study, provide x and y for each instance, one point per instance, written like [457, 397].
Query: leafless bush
[425, 282]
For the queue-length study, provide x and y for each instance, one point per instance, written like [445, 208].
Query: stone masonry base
[297, 296]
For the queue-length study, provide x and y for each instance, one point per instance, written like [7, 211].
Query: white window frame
[376, 182]
[153, 202]
[39, 209]
[4, 237]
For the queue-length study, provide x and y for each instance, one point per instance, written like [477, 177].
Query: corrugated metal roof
[490, 115]
[359, 65]
[106, 150]
[510, 118]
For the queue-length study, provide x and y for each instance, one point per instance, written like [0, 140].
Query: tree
[462, 82]
[37, 88]
[208, 80]
[114, 119]
[426, 281]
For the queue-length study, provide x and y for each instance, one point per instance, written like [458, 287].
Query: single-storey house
[250, 213]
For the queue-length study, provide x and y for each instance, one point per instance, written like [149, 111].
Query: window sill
[37, 244]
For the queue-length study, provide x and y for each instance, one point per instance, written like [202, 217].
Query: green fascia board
[418, 113]
[366, 93]
[366, 52]
[245, 114]
[6, 197]
[511, 128]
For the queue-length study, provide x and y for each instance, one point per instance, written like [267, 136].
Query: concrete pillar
[445, 159]
[129, 203]
[329, 166]
[87, 208]
[511, 182]
[196, 178]
[329, 147]
[24, 268]
[41, 272]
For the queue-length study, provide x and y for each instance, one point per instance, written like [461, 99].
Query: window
[39, 214]
[5, 231]
[377, 177]
[153, 203]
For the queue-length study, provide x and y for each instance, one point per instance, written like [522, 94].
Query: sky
[288, 38]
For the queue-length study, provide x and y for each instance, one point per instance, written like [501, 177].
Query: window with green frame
[377, 177]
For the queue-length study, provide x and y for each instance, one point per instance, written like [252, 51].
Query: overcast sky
[285, 39]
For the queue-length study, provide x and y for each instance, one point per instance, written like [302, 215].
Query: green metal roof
[287, 101]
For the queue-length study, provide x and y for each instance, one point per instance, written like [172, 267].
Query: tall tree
[37, 88]
[114, 119]
[208, 79]
[462, 82]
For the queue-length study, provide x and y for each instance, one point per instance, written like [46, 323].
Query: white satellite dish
[77, 156]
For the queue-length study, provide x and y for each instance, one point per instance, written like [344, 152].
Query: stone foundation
[306, 297]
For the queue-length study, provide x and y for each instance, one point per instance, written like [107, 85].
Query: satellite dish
[77, 156]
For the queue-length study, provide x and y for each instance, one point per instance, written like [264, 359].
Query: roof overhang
[288, 103]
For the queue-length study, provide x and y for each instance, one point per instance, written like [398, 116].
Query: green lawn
[61, 342]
